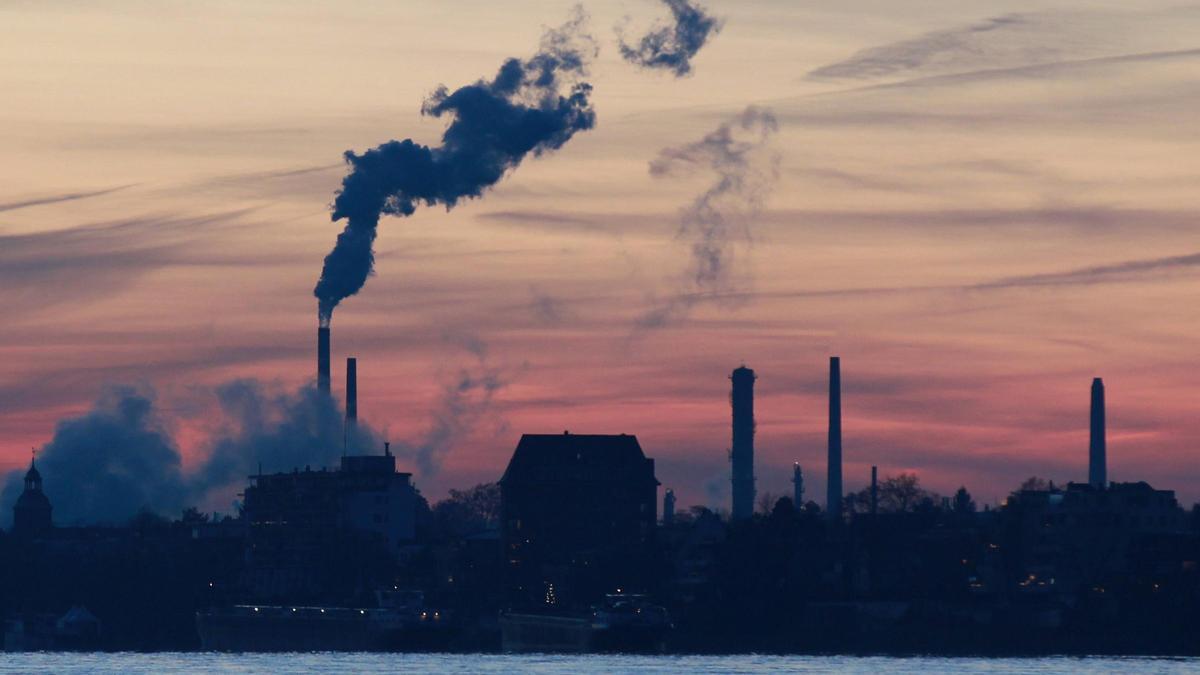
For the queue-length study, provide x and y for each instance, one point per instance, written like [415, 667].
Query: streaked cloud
[55, 199]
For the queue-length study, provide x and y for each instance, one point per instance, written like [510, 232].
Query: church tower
[31, 514]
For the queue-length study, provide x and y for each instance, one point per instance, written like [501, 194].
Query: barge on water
[622, 623]
[400, 622]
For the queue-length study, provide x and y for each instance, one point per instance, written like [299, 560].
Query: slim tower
[669, 507]
[797, 485]
[351, 391]
[874, 490]
[323, 359]
[1097, 450]
[833, 497]
[741, 398]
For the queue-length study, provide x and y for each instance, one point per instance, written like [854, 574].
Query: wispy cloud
[1011, 39]
[1128, 270]
[42, 269]
[55, 199]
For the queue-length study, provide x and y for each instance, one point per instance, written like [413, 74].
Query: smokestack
[874, 490]
[351, 391]
[1097, 450]
[741, 399]
[833, 498]
[797, 485]
[323, 359]
[669, 507]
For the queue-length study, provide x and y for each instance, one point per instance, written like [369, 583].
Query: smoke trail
[739, 153]
[466, 400]
[277, 429]
[672, 47]
[106, 464]
[494, 125]
[121, 456]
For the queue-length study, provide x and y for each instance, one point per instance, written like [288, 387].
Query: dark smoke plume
[672, 47]
[493, 126]
[739, 153]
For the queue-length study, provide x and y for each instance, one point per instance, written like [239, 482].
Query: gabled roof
[542, 457]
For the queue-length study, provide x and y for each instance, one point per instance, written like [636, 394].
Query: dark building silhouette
[351, 392]
[1081, 537]
[833, 495]
[578, 518]
[741, 399]
[31, 513]
[797, 485]
[668, 516]
[1097, 459]
[323, 359]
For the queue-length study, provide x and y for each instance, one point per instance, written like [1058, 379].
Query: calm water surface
[575, 665]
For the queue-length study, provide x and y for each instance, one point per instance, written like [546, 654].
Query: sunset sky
[979, 205]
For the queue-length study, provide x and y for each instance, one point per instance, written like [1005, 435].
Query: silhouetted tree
[897, 494]
[193, 516]
[766, 502]
[1034, 483]
[468, 511]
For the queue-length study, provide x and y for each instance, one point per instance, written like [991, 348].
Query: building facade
[578, 518]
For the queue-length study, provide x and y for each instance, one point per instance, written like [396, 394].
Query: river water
[575, 665]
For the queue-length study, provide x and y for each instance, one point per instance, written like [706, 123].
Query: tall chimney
[323, 359]
[669, 508]
[874, 490]
[1097, 450]
[742, 401]
[797, 485]
[351, 391]
[833, 498]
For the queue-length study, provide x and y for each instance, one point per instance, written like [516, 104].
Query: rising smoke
[671, 47]
[277, 429]
[109, 462]
[122, 455]
[466, 400]
[531, 106]
[739, 152]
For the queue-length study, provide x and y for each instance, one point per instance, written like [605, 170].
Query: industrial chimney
[874, 490]
[742, 401]
[833, 497]
[323, 359]
[351, 391]
[797, 485]
[1097, 450]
